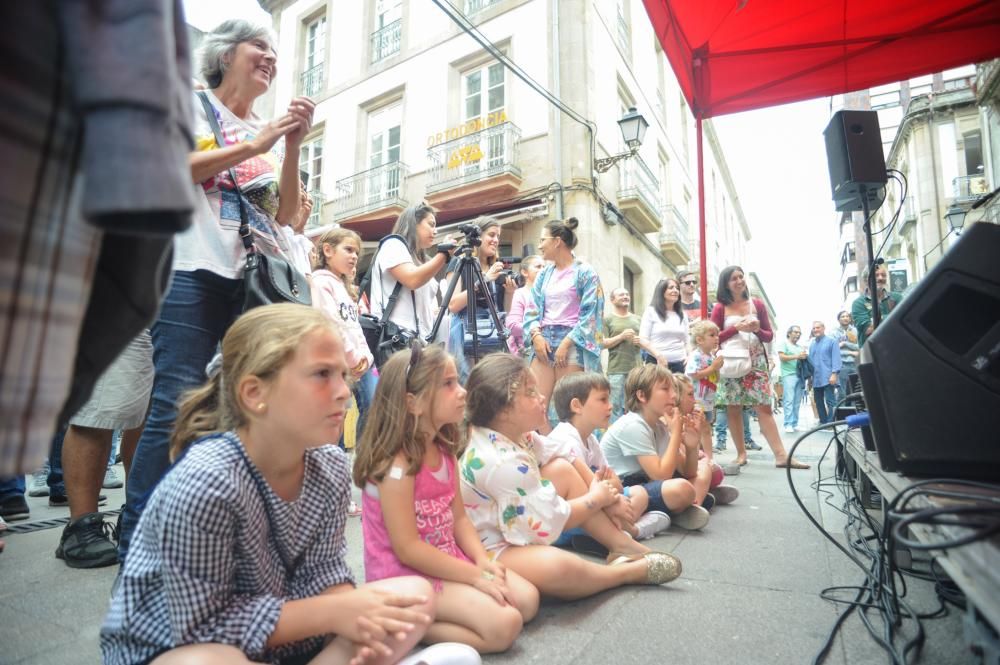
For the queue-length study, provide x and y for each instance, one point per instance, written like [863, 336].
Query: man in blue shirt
[824, 354]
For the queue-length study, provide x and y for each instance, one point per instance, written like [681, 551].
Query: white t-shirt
[213, 241]
[299, 248]
[631, 437]
[590, 451]
[393, 253]
[668, 337]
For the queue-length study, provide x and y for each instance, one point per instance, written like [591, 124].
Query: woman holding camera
[563, 321]
[404, 260]
[498, 281]
[238, 62]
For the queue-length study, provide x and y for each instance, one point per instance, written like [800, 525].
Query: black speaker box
[931, 372]
[855, 159]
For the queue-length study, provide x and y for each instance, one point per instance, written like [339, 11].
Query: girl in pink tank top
[413, 518]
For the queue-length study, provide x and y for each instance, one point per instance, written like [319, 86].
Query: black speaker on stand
[855, 159]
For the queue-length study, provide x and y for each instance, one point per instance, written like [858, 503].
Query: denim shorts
[653, 489]
[554, 335]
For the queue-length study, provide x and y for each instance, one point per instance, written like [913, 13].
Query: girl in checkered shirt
[240, 554]
[412, 512]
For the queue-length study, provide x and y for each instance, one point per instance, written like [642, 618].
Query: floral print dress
[505, 495]
[754, 388]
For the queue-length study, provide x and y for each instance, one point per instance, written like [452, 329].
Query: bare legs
[130, 439]
[467, 615]
[564, 575]
[84, 461]
[547, 377]
[734, 418]
[768, 427]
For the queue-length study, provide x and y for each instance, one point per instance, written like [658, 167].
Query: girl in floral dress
[413, 517]
[519, 509]
[734, 313]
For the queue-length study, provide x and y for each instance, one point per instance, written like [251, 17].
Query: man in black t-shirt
[689, 301]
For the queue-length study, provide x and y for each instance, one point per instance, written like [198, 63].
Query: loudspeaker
[930, 373]
[855, 159]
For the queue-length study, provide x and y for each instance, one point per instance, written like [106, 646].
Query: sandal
[794, 464]
[737, 462]
[660, 566]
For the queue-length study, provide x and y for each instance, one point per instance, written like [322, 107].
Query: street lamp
[956, 217]
[633, 127]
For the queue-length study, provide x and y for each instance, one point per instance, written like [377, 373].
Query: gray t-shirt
[631, 437]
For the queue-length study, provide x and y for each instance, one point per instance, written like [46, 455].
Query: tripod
[472, 278]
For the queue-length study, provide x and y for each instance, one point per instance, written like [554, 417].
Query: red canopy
[737, 55]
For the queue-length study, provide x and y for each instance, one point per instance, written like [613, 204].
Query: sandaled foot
[793, 463]
[739, 461]
[660, 566]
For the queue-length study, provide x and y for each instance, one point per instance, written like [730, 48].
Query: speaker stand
[872, 266]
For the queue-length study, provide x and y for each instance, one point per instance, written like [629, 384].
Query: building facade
[410, 107]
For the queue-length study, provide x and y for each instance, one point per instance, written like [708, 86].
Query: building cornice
[922, 107]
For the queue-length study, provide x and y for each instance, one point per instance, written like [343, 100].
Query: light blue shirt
[824, 354]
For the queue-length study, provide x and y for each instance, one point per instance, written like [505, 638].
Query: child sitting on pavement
[644, 451]
[709, 470]
[583, 404]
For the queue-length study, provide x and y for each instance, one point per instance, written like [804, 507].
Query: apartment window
[851, 286]
[849, 254]
[684, 130]
[484, 99]
[384, 142]
[387, 35]
[628, 283]
[972, 142]
[311, 82]
[484, 92]
[665, 177]
[622, 30]
[473, 6]
[311, 164]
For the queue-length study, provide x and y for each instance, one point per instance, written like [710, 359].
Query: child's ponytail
[197, 415]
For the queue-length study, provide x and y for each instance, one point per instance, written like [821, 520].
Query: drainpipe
[557, 122]
[937, 192]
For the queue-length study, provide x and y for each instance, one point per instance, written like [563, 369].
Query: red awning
[737, 55]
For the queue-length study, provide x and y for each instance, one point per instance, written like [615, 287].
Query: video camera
[473, 234]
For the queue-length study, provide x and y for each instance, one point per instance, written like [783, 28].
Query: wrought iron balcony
[475, 157]
[674, 238]
[311, 81]
[375, 189]
[473, 6]
[639, 193]
[969, 187]
[386, 41]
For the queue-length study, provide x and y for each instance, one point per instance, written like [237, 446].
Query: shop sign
[470, 127]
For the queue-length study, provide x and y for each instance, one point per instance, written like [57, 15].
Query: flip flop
[794, 464]
[743, 463]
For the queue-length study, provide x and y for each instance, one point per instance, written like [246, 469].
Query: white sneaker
[39, 483]
[725, 494]
[692, 519]
[651, 523]
[789, 429]
[111, 479]
[445, 653]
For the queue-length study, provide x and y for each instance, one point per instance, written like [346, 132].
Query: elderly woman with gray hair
[238, 63]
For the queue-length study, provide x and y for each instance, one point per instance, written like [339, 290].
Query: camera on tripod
[473, 234]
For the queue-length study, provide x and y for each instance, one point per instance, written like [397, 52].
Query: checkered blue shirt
[206, 565]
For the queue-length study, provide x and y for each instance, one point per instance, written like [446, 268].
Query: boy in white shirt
[583, 403]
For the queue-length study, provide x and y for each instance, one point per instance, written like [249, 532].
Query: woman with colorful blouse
[564, 320]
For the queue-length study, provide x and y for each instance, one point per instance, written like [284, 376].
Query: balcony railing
[473, 6]
[476, 156]
[311, 81]
[386, 41]
[969, 187]
[380, 187]
[675, 228]
[637, 180]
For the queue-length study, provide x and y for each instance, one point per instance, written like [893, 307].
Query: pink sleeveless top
[433, 491]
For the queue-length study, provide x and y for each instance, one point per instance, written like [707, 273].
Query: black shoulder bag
[384, 337]
[266, 279]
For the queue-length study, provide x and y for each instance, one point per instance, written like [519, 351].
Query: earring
[261, 406]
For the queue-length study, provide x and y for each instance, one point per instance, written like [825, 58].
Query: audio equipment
[855, 159]
[930, 373]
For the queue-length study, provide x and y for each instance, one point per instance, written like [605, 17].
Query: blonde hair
[334, 238]
[644, 378]
[702, 327]
[391, 426]
[260, 343]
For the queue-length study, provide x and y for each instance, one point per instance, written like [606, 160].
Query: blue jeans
[791, 399]
[722, 426]
[11, 486]
[55, 477]
[617, 382]
[826, 400]
[364, 392]
[843, 385]
[199, 308]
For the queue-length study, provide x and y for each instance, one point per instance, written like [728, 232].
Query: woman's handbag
[384, 337]
[266, 279]
[735, 353]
